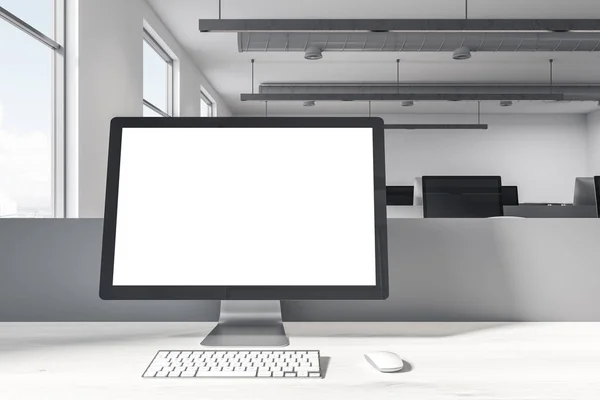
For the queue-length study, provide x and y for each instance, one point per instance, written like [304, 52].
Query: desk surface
[481, 361]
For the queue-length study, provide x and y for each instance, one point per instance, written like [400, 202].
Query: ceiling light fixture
[397, 25]
[435, 126]
[408, 103]
[506, 103]
[462, 53]
[313, 53]
[416, 97]
[309, 103]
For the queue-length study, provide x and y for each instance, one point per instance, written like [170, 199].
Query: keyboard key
[226, 374]
[264, 373]
[303, 374]
[290, 374]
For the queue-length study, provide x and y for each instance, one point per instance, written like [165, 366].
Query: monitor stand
[245, 323]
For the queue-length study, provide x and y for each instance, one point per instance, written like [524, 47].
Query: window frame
[153, 43]
[58, 101]
[211, 104]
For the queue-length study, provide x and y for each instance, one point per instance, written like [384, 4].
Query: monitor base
[248, 323]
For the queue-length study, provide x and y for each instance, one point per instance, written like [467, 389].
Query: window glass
[26, 106]
[37, 13]
[205, 108]
[148, 112]
[156, 79]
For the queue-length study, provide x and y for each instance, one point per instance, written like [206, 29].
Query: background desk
[482, 361]
[440, 270]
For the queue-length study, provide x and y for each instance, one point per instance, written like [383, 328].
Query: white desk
[88, 361]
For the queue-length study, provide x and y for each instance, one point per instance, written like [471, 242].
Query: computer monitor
[462, 197]
[585, 192]
[510, 196]
[400, 195]
[174, 228]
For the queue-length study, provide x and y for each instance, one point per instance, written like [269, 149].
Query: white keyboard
[235, 364]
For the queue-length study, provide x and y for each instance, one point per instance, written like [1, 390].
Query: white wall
[111, 84]
[593, 155]
[542, 154]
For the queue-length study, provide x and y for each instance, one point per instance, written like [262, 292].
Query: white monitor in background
[418, 193]
[585, 192]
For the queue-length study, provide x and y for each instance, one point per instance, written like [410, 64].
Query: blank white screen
[245, 207]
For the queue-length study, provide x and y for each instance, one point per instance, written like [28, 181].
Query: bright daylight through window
[31, 101]
[158, 79]
[207, 107]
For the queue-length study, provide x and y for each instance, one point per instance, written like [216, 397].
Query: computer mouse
[385, 361]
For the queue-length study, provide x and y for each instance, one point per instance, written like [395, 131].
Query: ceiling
[229, 71]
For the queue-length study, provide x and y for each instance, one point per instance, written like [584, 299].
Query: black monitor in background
[462, 196]
[597, 189]
[400, 195]
[510, 196]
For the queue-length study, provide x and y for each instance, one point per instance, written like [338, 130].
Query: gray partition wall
[440, 270]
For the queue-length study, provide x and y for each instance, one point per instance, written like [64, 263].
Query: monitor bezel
[426, 179]
[110, 292]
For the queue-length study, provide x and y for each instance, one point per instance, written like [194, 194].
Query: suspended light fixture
[313, 53]
[462, 53]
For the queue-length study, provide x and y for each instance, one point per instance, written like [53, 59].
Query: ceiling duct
[396, 25]
[424, 92]
[419, 41]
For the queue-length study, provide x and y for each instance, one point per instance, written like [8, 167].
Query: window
[207, 108]
[31, 108]
[158, 79]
